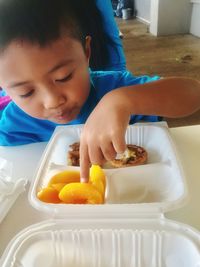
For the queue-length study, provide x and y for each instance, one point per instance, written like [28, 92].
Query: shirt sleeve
[105, 82]
[128, 79]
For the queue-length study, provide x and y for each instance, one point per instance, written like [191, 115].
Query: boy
[44, 58]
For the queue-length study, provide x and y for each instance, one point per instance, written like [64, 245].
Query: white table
[21, 215]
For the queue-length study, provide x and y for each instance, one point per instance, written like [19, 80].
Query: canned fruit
[65, 187]
[65, 177]
[80, 193]
[48, 195]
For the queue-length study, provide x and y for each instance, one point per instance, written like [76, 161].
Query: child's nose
[53, 100]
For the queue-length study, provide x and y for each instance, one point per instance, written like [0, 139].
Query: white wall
[154, 17]
[195, 20]
[143, 10]
[170, 16]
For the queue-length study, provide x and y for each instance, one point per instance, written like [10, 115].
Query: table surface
[22, 214]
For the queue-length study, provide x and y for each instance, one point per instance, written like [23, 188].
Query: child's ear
[88, 47]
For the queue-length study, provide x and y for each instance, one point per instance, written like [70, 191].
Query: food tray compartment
[160, 182]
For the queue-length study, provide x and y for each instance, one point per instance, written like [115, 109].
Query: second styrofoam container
[140, 242]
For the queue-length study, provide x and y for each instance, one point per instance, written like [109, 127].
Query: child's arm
[104, 132]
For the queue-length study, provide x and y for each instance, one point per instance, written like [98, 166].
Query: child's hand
[103, 134]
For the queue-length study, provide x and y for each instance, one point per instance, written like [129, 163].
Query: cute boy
[44, 58]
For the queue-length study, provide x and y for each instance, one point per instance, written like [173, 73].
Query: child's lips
[64, 115]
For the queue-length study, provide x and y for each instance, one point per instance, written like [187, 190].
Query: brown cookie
[73, 157]
[134, 155]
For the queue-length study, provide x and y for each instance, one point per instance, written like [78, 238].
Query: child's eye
[27, 94]
[65, 79]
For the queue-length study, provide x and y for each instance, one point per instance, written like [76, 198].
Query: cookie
[133, 156]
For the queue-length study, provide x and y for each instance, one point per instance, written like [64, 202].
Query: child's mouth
[65, 116]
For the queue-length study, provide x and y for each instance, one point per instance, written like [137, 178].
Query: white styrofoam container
[129, 230]
[157, 186]
[10, 188]
[7, 200]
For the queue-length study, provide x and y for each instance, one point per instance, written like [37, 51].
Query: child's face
[50, 83]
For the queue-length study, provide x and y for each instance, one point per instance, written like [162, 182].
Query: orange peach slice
[65, 177]
[80, 193]
[58, 186]
[97, 178]
[97, 174]
[98, 184]
[49, 195]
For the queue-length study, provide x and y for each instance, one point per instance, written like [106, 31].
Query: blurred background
[161, 37]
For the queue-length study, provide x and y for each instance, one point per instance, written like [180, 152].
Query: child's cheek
[29, 107]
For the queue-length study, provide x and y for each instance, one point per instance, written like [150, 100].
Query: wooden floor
[176, 55]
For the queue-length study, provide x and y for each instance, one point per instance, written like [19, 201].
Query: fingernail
[83, 180]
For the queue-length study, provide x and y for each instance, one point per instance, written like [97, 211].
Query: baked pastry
[134, 155]
[73, 155]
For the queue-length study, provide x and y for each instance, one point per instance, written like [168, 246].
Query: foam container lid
[105, 243]
[129, 230]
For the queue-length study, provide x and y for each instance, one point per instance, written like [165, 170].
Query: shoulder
[17, 128]
[109, 80]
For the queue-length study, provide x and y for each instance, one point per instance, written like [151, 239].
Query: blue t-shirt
[17, 127]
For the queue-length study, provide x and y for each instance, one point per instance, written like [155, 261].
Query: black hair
[41, 22]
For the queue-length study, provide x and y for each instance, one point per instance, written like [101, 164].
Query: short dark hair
[41, 21]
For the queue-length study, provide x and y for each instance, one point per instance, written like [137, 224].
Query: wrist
[122, 99]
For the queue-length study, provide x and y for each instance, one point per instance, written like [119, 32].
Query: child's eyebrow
[56, 67]
[60, 65]
[17, 84]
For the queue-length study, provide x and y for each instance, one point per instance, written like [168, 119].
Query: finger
[96, 155]
[84, 163]
[108, 151]
[119, 144]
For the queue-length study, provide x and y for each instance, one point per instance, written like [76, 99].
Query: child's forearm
[170, 97]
